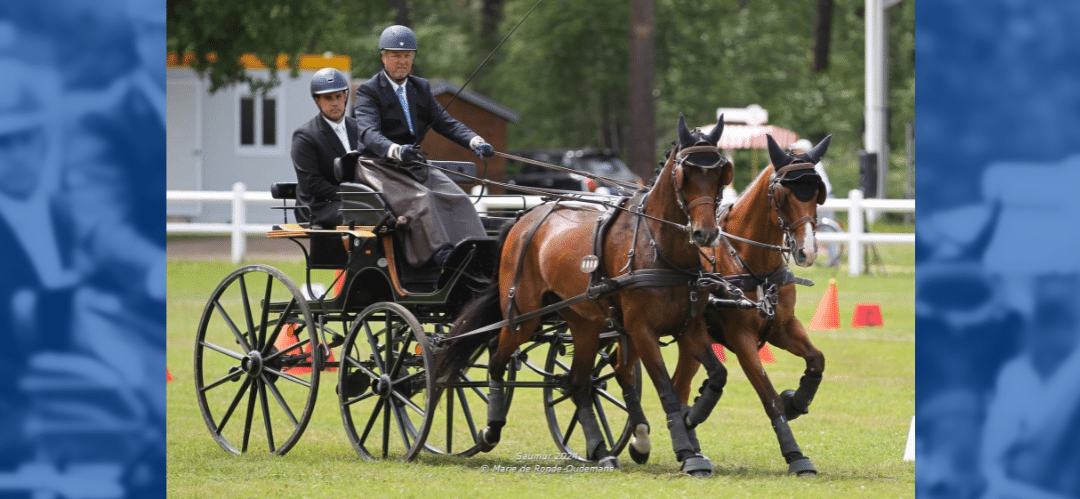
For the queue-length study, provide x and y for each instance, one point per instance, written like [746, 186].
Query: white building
[234, 135]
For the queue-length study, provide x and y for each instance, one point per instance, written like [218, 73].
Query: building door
[184, 144]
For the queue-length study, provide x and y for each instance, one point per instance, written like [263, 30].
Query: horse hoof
[802, 468]
[698, 466]
[640, 446]
[609, 462]
[790, 412]
[482, 441]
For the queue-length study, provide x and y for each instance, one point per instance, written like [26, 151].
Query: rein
[621, 183]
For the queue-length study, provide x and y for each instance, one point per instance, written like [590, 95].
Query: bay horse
[543, 260]
[779, 207]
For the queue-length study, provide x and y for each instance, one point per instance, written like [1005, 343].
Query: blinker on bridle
[682, 158]
[683, 155]
[779, 177]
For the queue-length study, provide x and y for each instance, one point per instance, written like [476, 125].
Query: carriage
[266, 344]
[266, 341]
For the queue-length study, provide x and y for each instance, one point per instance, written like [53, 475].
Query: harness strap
[656, 278]
[512, 306]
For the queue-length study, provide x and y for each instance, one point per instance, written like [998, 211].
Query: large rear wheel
[384, 388]
[253, 363]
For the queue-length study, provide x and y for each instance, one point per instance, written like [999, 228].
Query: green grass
[855, 432]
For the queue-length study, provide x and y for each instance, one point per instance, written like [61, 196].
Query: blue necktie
[405, 107]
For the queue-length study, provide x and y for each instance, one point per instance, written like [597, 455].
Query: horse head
[796, 190]
[699, 172]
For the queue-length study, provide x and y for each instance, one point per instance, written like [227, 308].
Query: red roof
[752, 136]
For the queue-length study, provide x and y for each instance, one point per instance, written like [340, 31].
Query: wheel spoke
[298, 347]
[228, 377]
[603, 419]
[570, 429]
[386, 429]
[450, 420]
[266, 415]
[277, 327]
[250, 414]
[401, 356]
[478, 391]
[356, 363]
[236, 332]
[361, 397]
[412, 405]
[564, 367]
[261, 343]
[374, 348]
[247, 312]
[232, 406]
[280, 400]
[558, 400]
[290, 377]
[222, 350]
[399, 419]
[371, 420]
[610, 398]
[467, 412]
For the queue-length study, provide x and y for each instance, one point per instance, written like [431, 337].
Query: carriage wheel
[253, 365]
[462, 408]
[384, 389]
[606, 399]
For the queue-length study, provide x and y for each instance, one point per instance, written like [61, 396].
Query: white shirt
[395, 148]
[339, 130]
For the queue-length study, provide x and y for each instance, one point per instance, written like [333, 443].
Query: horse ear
[818, 151]
[714, 136]
[686, 138]
[777, 155]
[727, 173]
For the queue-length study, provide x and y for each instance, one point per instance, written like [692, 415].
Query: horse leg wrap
[595, 450]
[797, 402]
[697, 465]
[681, 442]
[640, 446]
[490, 436]
[797, 462]
[703, 405]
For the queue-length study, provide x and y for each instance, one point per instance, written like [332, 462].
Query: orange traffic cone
[168, 377]
[866, 314]
[765, 354]
[339, 282]
[827, 315]
[287, 341]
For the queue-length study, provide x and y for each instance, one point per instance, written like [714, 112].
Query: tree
[822, 32]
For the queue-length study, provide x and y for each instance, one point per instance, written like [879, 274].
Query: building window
[258, 123]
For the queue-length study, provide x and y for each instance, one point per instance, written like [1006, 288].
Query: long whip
[442, 110]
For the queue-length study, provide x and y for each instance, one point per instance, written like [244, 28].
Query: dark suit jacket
[382, 123]
[314, 147]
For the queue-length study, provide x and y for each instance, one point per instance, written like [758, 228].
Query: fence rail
[855, 237]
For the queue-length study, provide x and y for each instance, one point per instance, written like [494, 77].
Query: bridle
[774, 184]
[682, 157]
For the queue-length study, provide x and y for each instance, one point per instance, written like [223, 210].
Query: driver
[394, 109]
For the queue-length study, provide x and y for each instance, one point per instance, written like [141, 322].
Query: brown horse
[544, 257]
[779, 207]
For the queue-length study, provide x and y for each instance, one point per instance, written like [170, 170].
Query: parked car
[597, 162]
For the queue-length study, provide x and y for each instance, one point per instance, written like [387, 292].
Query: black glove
[484, 150]
[410, 154]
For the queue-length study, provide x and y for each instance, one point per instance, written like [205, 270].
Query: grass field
[855, 432]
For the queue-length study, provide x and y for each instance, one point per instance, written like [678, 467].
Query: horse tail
[483, 309]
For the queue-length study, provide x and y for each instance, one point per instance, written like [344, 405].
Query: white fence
[855, 205]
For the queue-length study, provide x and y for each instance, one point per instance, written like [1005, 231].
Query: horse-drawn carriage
[414, 348]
